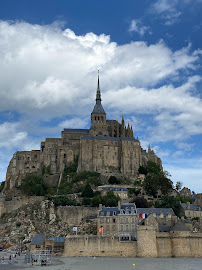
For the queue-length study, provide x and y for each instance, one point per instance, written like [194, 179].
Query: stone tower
[98, 116]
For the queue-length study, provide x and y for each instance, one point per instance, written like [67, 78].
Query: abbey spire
[98, 106]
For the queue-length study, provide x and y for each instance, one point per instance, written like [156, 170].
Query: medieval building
[108, 147]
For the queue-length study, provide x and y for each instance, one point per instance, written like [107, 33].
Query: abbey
[108, 148]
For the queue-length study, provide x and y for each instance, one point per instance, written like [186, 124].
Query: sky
[149, 54]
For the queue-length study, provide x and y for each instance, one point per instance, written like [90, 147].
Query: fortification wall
[99, 246]
[17, 202]
[149, 244]
[74, 215]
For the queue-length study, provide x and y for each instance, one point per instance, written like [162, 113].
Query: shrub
[86, 201]
[113, 180]
[88, 192]
[34, 184]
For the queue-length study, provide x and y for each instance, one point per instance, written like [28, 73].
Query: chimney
[100, 206]
[119, 205]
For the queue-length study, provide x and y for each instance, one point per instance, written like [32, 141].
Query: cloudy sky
[149, 54]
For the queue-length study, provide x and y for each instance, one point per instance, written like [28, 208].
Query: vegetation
[156, 180]
[178, 186]
[62, 201]
[169, 202]
[34, 184]
[113, 180]
[141, 202]
[87, 192]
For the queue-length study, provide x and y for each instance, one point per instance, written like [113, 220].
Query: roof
[107, 138]
[38, 239]
[115, 188]
[109, 211]
[158, 211]
[164, 228]
[111, 121]
[98, 108]
[192, 207]
[72, 130]
[179, 227]
[57, 239]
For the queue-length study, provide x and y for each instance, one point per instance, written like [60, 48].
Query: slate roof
[114, 188]
[111, 121]
[156, 210]
[192, 207]
[38, 239]
[109, 211]
[164, 228]
[179, 227]
[106, 138]
[98, 108]
[72, 130]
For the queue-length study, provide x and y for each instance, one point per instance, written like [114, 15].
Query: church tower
[98, 116]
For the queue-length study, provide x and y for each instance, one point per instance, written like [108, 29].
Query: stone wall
[17, 202]
[75, 215]
[149, 244]
[99, 246]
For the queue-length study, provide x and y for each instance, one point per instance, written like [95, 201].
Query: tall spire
[98, 106]
[98, 95]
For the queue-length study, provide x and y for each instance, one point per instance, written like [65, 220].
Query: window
[114, 227]
[126, 220]
[169, 216]
[108, 213]
[133, 220]
[133, 227]
[121, 227]
[154, 214]
[127, 227]
[107, 227]
[114, 220]
[107, 220]
[161, 215]
[102, 213]
[121, 220]
[114, 213]
[101, 220]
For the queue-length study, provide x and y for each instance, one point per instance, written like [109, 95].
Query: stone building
[191, 210]
[108, 147]
[122, 221]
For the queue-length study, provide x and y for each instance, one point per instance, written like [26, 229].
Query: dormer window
[108, 213]
[161, 215]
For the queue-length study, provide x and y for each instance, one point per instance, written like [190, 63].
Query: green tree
[154, 182]
[169, 202]
[87, 192]
[96, 201]
[62, 201]
[178, 185]
[86, 201]
[34, 184]
[110, 199]
[113, 180]
[140, 202]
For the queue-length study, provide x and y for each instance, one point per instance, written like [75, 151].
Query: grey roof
[57, 239]
[38, 239]
[72, 130]
[111, 121]
[179, 227]
[107, 138]
[192, 207]
[98, 108]
[129, 206]
[109, 211]
[158, 211]
[115, 188]
[164, 228]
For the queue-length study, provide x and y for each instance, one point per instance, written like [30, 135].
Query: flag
[142, 216]
[74, 229]
[100, 230]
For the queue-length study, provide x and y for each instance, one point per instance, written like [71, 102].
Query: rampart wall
[148, 244]
[99, 246]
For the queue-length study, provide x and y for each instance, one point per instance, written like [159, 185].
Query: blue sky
[149, 54]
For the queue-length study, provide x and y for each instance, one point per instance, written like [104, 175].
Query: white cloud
[74, 123]
[137, 26]
[187, 171]
[52, 70]
[168, 10]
